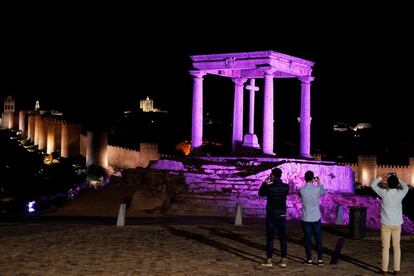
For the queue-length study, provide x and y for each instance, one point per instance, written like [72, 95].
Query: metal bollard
[239, 215]
[339, 215]
[121, 215]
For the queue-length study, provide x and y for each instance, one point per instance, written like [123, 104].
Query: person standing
[276, 192]
[391, 218]
[311, 215]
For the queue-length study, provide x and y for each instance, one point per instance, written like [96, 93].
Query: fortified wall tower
[97, 148]
[70, 142]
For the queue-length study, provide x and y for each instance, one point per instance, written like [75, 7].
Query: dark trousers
[314, 228]
[274, 222]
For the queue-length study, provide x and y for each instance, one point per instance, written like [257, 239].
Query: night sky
[363, 56]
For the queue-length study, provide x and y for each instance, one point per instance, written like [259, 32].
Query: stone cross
[252, 88]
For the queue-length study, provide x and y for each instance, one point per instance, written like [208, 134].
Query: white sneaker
[308, 262]
[320, 262]
[282, 262]
[267, 263]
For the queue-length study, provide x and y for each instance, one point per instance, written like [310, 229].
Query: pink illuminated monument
[218, 184]
[241, 67]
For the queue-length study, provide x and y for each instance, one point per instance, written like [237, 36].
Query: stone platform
[217, 184]
[216, 187]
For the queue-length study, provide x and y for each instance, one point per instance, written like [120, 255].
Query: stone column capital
[269, 71]
[197, 74]
[306, 79]
[239, 81]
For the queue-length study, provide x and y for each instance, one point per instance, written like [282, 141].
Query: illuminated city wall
[53, 134]
[70, 142]
[42, 133]
[11, 120]
[97, 148]
[31, 127]
[37, 128]
[148, 152]
[125, 158]
[83, 144]
[8, 120]
[54, 129]
[57, 126]
[22, 123]
[367, 169]
[50, 138]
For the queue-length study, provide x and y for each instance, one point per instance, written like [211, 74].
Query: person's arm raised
[263, 188]
[374, 186]
[322, 191]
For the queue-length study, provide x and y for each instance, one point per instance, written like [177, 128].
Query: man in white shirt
[391, 217]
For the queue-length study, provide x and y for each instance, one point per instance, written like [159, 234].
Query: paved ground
[174, 247]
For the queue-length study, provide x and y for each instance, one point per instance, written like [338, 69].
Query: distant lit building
[147, 105]
[362, 126]
[9, 104]
[7, 118]
[56, 113]
[341, 127]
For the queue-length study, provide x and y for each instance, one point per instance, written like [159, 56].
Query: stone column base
[250, 140]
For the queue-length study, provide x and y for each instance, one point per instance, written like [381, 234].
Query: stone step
[223, 192]
[236, 183]
[223, 188]
[230, 187]
[208, 204]
[219, 167]
[221, 171]
[211, 178]
[235, 174]
[218, 196]
[178, 209]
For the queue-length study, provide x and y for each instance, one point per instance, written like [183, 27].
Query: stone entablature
[253, 64]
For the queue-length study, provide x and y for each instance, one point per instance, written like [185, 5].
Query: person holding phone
[391, 217]
[276, 192]
[311, 215]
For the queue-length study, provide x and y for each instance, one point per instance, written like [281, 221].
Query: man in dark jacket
[276, 192]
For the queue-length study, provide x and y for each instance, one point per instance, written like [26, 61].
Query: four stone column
[268, 113]
[305, 117]
[197, 123]
[238, 113]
